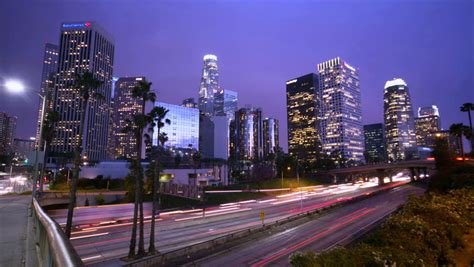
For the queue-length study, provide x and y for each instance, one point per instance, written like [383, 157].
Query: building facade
[7, 133]
[83, 46]
[399, 121]
[247, 135]
[48, 74]
[225, 103]
[340, 116]
[302, 104]
[23, 148]
[209, 85]
[183, 132]
[189, 103]
[426, 125]
[271, 137]
[124, 107]
[374, 143]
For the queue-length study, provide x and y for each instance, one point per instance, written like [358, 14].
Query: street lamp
[14, 86]
[17, 87]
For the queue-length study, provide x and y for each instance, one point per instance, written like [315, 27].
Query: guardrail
[52, 245]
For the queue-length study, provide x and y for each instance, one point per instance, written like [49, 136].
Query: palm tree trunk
[133, 239]
[75, 173]
[461, 146]
[141, 238]
[470, 128]
[156, 176]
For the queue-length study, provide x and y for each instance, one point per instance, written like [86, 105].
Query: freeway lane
[335, 228]
[103, 232]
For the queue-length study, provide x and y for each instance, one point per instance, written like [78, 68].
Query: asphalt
[102, 233]
[17, 247]
[335, 228]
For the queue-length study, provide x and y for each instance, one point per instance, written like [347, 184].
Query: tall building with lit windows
[209, 85]
[247, 135]
[271, 143]
[374, 143]
[426, 125]
[124, 107]
[399, 121]
[83, 46]
[7, 133]
[340, 115]
[50, 68]
[302, 105]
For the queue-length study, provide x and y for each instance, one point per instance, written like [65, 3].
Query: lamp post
[40, 141]
[17, 87]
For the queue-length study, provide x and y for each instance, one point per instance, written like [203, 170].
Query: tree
[459, 130]
[158, 114]
[468, 107]
[49, 129]
[140, 121]
[86, 86]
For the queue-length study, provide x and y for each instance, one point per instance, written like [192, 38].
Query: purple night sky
[259, 45]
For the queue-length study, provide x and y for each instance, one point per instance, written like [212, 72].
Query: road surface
[103, 233]
[335, 228]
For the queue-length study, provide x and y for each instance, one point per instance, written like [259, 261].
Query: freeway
[102, 233]
[337, 227]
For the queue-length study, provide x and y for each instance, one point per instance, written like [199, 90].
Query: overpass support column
[425, 172]
[334, 179]
[380, 175]
[412, 174]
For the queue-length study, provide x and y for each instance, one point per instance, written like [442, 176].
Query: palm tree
[49, 126]
[467, 107]
[86, 87]
[159, 119]
[137, 125]
[459, 130]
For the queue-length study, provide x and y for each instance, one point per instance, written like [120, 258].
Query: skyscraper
[7, 133]
[399, 124]
[302, 105]
[374, 143]
[247, 135]
[340, 117]
[189, 103]
[270, 136]
[50, 68]
[225, 103]
[124, 107]
[84, 46]
[209, 85]
[183, 132]
[426, 125]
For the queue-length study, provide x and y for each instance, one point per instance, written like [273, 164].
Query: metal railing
[53, 247]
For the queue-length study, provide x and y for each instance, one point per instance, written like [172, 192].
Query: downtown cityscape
[237, 133]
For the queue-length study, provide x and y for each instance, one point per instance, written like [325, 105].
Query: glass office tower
[83, 46]
[302, 105]
[426, 125]
[270, 136]
[399, 121]
[183, 132]
[374, 143]
[340, 116]
[209, 85]
[48, 74]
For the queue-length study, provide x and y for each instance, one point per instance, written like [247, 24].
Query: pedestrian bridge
[417, 168]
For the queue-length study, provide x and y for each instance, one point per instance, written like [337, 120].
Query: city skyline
[175, 63]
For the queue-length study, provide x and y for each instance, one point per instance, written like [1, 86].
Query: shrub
[99, 199]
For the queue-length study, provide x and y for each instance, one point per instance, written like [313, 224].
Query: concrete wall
[119, 169]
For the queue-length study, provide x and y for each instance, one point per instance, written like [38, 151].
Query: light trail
[88, 236]
[212, 215]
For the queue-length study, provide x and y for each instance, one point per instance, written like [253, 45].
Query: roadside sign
[262, 216]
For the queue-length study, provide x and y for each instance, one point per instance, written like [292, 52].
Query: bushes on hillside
[425, 232]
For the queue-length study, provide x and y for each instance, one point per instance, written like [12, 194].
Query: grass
[270, 184]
